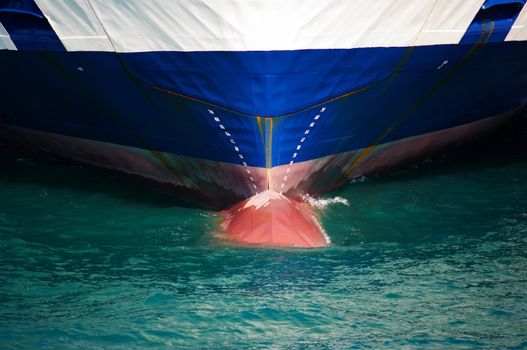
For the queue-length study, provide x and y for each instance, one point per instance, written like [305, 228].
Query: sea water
[430, 257]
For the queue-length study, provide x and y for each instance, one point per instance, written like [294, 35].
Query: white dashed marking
[445, 62]
[298, 147]
[236, 148]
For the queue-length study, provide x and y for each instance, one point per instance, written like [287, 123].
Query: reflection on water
[429, 257]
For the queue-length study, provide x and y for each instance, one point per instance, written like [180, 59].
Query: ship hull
[218, 185]
[91, 108]
[221, 110]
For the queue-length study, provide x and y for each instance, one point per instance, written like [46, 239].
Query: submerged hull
[222, 116]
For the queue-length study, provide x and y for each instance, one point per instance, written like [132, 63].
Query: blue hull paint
[399, 92]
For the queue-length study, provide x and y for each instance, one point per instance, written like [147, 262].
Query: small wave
[324, 203]
[359, 180]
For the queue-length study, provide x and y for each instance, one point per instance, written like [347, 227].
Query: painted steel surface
[258, 25]
[94, 96]
[272, 219]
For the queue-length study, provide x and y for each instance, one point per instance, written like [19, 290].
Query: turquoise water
[432, 257]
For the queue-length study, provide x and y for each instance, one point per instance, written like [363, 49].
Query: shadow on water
[31, 167]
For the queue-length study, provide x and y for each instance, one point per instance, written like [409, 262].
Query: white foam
[324, 203]
[359, 180]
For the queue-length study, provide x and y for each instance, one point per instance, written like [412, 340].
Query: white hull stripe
[5, 40]
[242, 25]
[76, 24]
[518, 31]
